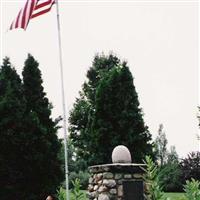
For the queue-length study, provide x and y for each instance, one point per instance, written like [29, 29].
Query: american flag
[32, 9]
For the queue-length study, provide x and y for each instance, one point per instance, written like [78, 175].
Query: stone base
[106, 181]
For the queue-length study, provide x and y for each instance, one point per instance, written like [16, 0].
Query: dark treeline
[29, 164]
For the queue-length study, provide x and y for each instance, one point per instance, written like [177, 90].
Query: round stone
[121, 154]
[103, 197]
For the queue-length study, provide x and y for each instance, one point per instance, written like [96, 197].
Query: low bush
[153, 189]
[82, 176]
[192, 189]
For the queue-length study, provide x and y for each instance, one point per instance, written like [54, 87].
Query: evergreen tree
[170, 173]
[81, 116]
[118, 118]
[108, 114]
[161, 146]
[12, 135]
[44, 168]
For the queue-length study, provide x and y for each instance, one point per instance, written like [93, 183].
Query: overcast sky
[158, 39]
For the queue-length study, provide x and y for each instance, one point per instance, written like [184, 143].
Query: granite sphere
[121, 154]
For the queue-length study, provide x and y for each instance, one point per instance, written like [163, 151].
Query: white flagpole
[63, 102]
[198, 134]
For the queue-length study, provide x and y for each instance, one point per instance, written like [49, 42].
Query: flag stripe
[28, 12]
[41, 12]
[40, 5]
[32, 9]
[32, 5]
[17, 20]
[24, 14]
[20, 19]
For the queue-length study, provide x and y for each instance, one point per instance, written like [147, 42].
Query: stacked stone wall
[106, 181]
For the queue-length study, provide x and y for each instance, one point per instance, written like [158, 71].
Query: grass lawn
[172, 196]
[175, 196]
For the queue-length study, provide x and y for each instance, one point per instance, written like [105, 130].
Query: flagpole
[198, 77]
[63, 102]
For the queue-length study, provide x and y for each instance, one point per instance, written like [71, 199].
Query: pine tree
[12, 135]
[45, 173]
[161, 146]
[108, 114]
[81, 116]
[118, 118]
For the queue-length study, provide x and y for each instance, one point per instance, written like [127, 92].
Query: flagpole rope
[63, 102]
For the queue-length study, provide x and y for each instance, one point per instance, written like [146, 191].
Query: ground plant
[192, 189]
[76, 192]
[154, 191]
[61, 194]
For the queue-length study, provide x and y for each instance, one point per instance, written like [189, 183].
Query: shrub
[82, 176]
[76, 192]
[61, 194]
[170, 178]
[190, 167]
[154, 191]
[192, 189]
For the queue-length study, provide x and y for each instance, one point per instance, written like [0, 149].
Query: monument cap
[121, 154]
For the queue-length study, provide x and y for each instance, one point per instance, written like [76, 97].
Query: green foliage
[76, 192]
[12, 134]
[82, 176]
[161, 146]
[107, 114]
[61, 194]
[74, 164]
[170, 173]
[190, 167]
[31, 168]
[170, 177]
[172, 155]
[175, 196]
[77, 167]
[44, 167]
[192, 189]
[153, 189]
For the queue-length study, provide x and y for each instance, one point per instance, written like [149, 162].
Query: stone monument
[121, 180]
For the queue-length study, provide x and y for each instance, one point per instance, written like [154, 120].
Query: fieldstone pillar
[121, 180]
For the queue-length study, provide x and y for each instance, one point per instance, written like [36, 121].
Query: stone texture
[102, 188]
[95, 187]
[113, 197]
[106, 180]
[103, 197]
[120, 191]
[108, 175]
[90, 180]
[109, 183]
[99, 176]
[118, 168]
[92, 195]
[138, 176]
[121, 154]
[90, 188]
[119, 182]
[118, 176]
[127, 176]
[100, 182]
[113, 191]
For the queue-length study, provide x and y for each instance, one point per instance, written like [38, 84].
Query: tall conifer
[108, 113]
[12, 136]
[118, 117]
[45, 172]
